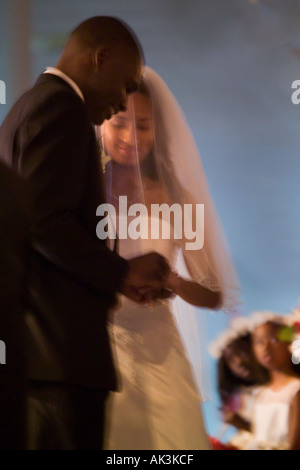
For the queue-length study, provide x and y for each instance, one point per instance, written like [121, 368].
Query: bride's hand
[173, 281]
[193, 292]
[150, 295]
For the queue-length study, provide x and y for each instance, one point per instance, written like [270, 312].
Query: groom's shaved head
[103, 30]
[104, 58]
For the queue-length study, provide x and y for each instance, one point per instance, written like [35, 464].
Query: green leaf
[286, 333]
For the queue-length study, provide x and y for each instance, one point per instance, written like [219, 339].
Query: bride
[150, 156]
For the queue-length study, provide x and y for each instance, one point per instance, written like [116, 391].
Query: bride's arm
[194, 293]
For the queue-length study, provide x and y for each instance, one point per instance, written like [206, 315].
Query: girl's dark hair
[228, 382]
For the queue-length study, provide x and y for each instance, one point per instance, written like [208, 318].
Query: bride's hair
[148, 165]
[158, 165]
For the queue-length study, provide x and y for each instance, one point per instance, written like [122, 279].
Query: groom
[49, 139]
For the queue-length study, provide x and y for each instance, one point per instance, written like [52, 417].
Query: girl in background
[276, 410]
[239, 377]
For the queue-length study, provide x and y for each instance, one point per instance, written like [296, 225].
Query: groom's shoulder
[49, 81]
[50, 86]
[49, 95]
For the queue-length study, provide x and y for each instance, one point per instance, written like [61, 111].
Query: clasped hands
[148, 279]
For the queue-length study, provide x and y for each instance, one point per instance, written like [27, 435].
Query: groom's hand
[146, 295]
[150, 295]
[133, 293]
[149, 270]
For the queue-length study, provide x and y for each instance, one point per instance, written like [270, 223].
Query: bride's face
[128, 136]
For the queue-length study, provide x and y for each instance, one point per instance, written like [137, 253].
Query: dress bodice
[151, 230]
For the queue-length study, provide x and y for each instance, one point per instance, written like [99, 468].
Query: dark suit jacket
[48, 138]
[14, 232]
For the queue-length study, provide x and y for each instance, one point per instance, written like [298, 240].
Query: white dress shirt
[59, 73]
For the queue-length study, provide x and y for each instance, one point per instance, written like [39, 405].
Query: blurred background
[231, 65]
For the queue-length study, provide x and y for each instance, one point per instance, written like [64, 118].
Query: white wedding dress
[158, 406]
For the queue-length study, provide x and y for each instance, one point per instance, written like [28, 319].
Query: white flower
[264, 316]
[239, 327]
[295, 351]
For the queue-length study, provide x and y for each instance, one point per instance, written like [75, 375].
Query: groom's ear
[100, 57]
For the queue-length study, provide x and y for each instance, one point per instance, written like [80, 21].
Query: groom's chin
[97, 117]
[97, 120]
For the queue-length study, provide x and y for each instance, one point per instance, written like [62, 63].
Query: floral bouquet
[218, 445]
